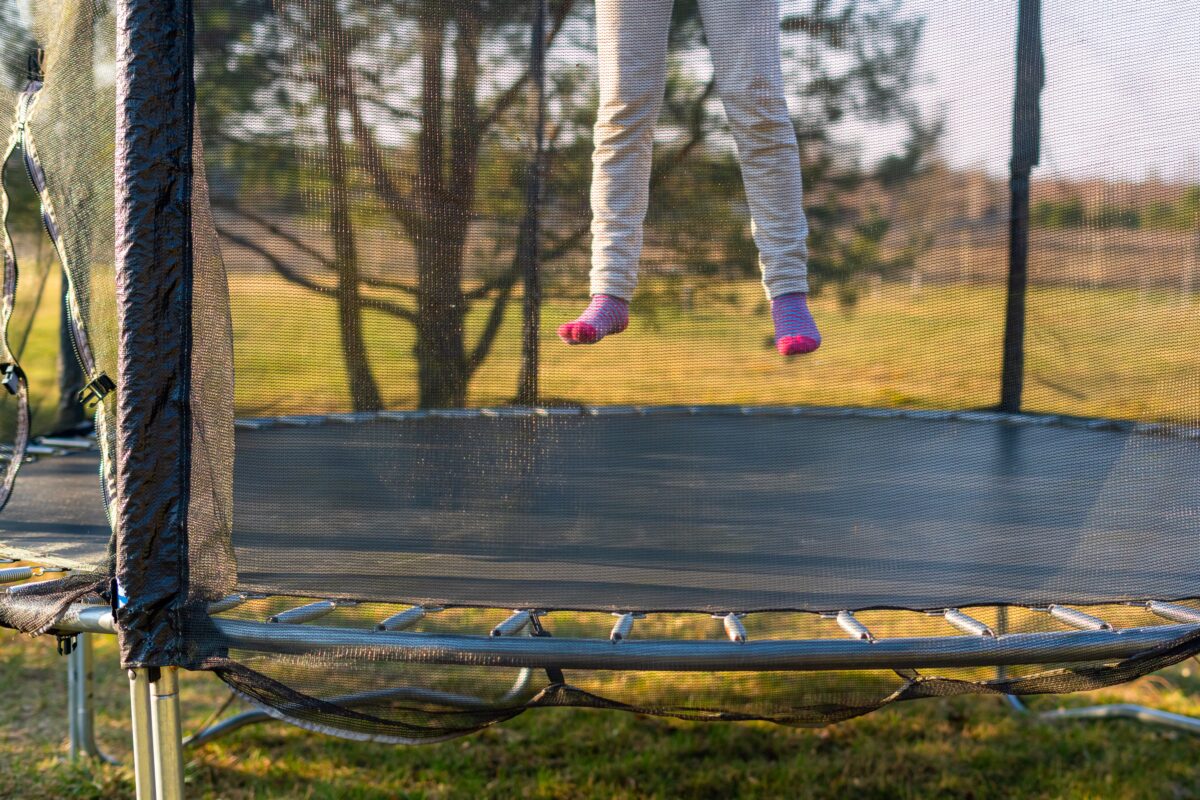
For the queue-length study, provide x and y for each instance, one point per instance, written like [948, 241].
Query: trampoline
[955, 509]
[341, 462]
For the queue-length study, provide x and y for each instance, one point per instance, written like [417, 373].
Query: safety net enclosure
[352, 469]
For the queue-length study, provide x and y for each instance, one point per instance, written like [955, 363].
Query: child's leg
[744, 38]
[631, 37]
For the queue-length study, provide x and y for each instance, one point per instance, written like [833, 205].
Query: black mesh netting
[396, 203]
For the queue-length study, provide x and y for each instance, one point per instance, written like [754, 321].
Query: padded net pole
[1026, 152]
[154, 304]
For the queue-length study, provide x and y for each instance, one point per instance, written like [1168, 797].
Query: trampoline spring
[305, 613]
[855, 629]
[67, 443]
[227, 603]
[14, 574]
[967, 624]
[1078, 619]
[734, 628]
[513, 625]
[24, 587]
[1175, 612]
[406, 618]
[622, 627]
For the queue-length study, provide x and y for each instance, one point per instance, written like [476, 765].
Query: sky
[1123, 84]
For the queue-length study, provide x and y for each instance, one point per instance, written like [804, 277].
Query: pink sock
[605, 315]
[795, 329]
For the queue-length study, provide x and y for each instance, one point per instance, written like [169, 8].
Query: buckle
[12, 377]
[96, 390]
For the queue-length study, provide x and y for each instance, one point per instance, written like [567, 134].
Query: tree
[352, 65]
[365, 116]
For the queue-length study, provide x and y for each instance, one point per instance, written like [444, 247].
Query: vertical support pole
[81, 701]
[529, 248]
[75, 699]
[143, 741]
[167, 735]
[1026, 153]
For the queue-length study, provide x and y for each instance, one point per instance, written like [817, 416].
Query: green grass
[961, 748]
[1101, 352]
[1090, 352]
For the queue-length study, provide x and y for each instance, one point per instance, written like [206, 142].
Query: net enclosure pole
[529, 242]
[1026, 153]
[152, 172]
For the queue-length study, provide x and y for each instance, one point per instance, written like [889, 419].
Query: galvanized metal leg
[1150, 716]
[81, 702]
[167, 735]
[143, 740]
[255, 716]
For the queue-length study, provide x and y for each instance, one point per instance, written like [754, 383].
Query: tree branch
[296, 277]
[487, 337]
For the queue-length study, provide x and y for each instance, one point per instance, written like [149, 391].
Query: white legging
[743, 36]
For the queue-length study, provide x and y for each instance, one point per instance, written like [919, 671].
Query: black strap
[554, 674]
[11, 374]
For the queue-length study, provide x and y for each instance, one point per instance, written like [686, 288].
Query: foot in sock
[605, 315]
[795, 329]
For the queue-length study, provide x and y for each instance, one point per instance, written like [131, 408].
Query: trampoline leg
[1144, 714]
[81, 702]
[143, 744]
[167, 734]
[226, 726]
[255, 716]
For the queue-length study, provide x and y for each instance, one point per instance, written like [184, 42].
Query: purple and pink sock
[795, 329]
[604, 316]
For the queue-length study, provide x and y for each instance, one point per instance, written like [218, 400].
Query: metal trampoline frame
[158, 742]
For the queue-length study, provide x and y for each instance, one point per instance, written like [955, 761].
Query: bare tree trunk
[364, 391]
[442, 368]
[442, 371]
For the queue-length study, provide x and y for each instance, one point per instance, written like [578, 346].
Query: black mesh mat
[715, 512]
[678, 511]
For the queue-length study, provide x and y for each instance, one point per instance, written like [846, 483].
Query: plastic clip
[96, 390]
[66, 644]
[35, 65]
[12, 377]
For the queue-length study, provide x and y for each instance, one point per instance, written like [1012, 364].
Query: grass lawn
[961, 748]
[1099, 352]
[1118, 353]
